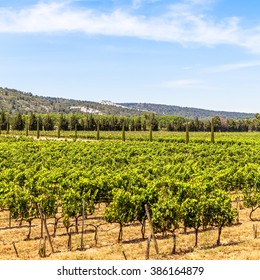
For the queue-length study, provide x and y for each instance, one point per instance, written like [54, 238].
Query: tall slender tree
[7, 125]
[26, 126]
[151, 129]
[187, 133]
[38, 128]
[76, 132]
[98, 130]
[212, 137]
[3, 120]
[18, 122]
[123, 131]
[58, 130]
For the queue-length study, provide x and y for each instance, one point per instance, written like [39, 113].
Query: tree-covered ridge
[187, 112]
[14, 101]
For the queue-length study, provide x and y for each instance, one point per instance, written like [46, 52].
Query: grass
[237, 242]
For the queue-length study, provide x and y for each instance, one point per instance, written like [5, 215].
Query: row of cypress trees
[47, 123]
[212, 135]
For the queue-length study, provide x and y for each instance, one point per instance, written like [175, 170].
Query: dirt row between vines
[238, 241]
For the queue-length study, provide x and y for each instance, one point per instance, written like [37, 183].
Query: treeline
[89, 122]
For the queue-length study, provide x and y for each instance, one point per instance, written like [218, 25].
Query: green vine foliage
[184, 185]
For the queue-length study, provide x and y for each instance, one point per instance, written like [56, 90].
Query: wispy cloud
[138, 3]
[180, 23]
[233, 67]
[184, 83]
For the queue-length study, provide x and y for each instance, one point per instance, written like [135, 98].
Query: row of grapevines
[182, 184]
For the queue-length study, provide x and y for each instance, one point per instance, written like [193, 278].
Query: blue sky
[194, 53]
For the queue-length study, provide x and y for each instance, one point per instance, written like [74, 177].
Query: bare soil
[237, 242]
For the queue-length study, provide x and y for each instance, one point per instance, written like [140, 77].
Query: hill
[13, 101]
[187, 112]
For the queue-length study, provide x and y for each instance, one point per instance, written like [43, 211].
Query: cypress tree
[18, 122]
[7, 125]
[1, 123]
[151, 130]
[98, 130]
[48, 123]
[187, 133]
[144, 125]
[76, 133]
[33, 122]
[138, 124]
[3, 119]
[58, 130]
[26, 127]
[132, 125]
[64, 123]
[212, 132]
[92, 123]
[7, 128]
[73, 122]
[38, 128]
[123, 131]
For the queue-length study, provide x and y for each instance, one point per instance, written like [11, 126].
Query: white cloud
[180, 24]
[233, 67]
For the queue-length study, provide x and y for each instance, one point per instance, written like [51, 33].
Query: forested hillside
[187, 112]
[13, 101]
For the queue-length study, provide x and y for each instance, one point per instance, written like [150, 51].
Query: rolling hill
[13, 101]
[187, 112]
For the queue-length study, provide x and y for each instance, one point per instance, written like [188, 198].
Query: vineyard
[104, 199]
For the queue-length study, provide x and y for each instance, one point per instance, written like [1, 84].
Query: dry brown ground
[238, 242]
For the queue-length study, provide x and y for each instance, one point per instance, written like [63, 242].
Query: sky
[190, 53]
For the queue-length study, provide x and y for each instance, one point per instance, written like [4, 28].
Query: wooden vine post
[69, 241]
[82, 231]
[125, 257]
[147, 252]
[16, 252]
[174, 244]
[238, 208]
[152, 231]
[45, 226]
[41, 228]
[10, 219]
[42, 248]
[255, 230]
